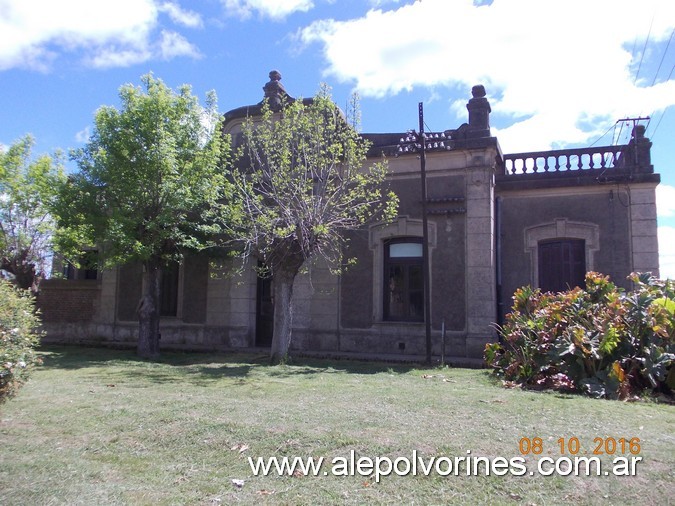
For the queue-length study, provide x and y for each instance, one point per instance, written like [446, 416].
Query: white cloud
[173, 44]
[190, 19]
[546, 66]
[665, 209]
[33, 33]
[380, 3]
[117, 57]
[275, 9]
[83, 135]
[665, 201]
[169, 46]
[666, 252]
[30, 29]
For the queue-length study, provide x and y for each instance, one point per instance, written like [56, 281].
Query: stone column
[105, 313]
[481, 302]
[644, 240]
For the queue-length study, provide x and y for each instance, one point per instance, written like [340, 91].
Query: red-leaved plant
[602, 341]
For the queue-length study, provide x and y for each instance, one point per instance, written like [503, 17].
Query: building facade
[495, 222]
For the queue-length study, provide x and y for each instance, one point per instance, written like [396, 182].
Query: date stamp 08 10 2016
[572, 446]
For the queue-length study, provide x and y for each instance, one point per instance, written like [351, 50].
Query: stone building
[495, 222]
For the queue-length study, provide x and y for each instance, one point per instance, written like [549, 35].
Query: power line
[618, 136]
[603, 135]
[644, 48]
[665, 51]
[664, 111]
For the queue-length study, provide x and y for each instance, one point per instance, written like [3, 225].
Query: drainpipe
[498, 259]
[426, 268]
[339, 305]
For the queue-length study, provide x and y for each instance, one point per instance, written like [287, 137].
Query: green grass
[97, 426]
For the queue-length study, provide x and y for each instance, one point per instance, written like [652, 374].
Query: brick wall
[68, 301]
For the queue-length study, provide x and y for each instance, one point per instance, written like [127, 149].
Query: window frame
[561, 228]
[177, 274]
[405, 263]
[569, 271]
[88, 269]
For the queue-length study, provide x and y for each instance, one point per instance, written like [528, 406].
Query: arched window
[403, 281]
[559, 251]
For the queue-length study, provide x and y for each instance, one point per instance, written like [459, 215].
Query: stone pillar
[481, 302]
[644, 240]
[640, 148]
[105, 313]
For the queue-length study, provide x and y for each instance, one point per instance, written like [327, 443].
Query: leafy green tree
[300, 182]
[27, 189]
[148, 173]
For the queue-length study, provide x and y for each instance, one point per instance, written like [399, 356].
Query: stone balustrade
[565, 160]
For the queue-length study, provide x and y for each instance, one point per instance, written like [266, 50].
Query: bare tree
[300, 181]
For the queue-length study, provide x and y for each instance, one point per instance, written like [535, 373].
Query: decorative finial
[275, 93]
[639, 132]
[479, 113]
[477, 91]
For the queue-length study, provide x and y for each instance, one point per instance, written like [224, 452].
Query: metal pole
[425, 237]
[443, 342]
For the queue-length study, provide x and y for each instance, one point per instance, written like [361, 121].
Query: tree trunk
[148, 311]
[283, 315]
[24, 273]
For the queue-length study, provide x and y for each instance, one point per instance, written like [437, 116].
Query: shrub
[602, 341]
[18, 337]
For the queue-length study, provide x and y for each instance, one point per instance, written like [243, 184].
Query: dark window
[264, 312]
[69, 271]
[562, 264]
[403, 280]
[169, 295]
[88, 267]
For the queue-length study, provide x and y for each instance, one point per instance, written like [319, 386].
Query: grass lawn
[96, 426]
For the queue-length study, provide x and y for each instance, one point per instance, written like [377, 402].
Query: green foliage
[27, 191]
[145, 176]
[300, 182]
[18, 338]
[601, 341]
[148, 177]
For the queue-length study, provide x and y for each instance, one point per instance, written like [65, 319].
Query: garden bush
[602, 341]
[18, 337]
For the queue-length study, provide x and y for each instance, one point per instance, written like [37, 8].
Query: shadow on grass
[199, 367]
[176, 375]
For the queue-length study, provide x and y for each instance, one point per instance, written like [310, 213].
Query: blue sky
[558, 74]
